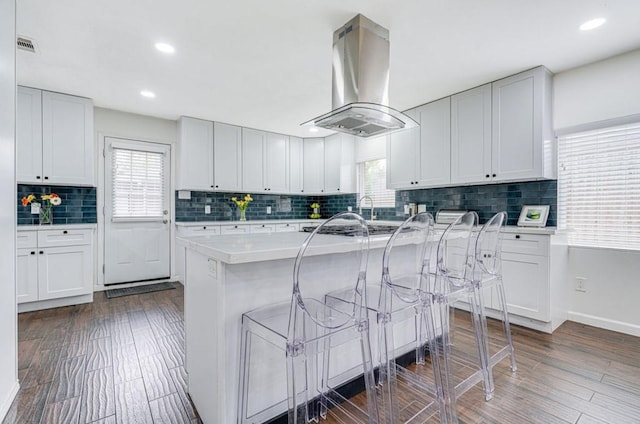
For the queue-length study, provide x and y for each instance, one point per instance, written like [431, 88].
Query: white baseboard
[607, 324]
[6, 404]
[55, 303]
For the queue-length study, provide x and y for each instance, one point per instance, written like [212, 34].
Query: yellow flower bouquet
[242, 205]
[316, 211]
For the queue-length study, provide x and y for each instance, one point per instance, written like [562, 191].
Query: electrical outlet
[350, 208]
[207, 209]
[581, 284]
[268, 210]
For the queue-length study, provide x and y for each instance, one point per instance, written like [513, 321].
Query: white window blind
[599, 187]
[372, 182]
[137, 184]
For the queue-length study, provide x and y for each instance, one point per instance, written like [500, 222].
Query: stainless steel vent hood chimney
[361, 82]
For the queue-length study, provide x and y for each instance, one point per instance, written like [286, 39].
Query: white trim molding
[605, 323]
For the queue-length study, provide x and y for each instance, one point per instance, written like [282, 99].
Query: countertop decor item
[533, 216]
[316, 211]
[242, 205]
[44, 209]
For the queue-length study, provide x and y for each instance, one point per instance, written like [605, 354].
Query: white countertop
[57, 227]
[245, 248]
[252, 222]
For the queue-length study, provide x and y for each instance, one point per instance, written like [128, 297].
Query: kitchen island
[229, 275]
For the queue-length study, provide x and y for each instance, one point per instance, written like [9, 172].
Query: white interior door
[137, 203]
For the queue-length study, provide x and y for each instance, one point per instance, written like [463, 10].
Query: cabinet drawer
[26, 239]
[263, 228]
[283, 228]
[531, 244]
[204, 230]
[54, 238]
[235, 229]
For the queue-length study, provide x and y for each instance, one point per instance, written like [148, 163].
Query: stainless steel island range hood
[361, 83]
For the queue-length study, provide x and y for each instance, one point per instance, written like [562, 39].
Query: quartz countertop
[252, 222]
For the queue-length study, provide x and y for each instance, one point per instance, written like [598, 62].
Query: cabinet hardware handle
[211, 186]
[235, 226]
[37, 177]
[216, 186]
[41, 252]
[494, 175]
[517, 236]
[46, 178]
[33, 253]
[204, 228]
[65, 232]
[487, 176]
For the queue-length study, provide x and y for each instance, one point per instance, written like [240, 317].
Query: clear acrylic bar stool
[488, 273]
[307, 329]
[401, 305]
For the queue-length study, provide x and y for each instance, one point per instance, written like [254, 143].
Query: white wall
[112, 123]
[596, 92]
[8, 313]
[371, 148]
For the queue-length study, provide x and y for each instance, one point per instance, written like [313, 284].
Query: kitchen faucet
[360, 206]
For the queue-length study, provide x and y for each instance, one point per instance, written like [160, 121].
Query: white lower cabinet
[54, 264]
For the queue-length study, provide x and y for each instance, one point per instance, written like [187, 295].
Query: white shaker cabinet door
[296, 160]
[64, 271]
[434, 167]
[227, 156]
[471, 136]
[403, 156]
[29, 136]
[276, 155]
[332, 162]
[195, 154]
[313, 165]
[67, 140]
[253, 145]
[522, 134]
[27, 275]
[526, 284]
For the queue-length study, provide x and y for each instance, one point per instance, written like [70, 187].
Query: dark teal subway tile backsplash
[78, 204]
[486, 200]
[282, 206]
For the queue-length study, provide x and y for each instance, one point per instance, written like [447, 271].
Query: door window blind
[372, 181]
[599, 187]
[137, 184]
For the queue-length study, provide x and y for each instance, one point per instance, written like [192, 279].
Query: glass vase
[243, 216]
[46, 215]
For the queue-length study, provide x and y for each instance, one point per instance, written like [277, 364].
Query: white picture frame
[533, 216]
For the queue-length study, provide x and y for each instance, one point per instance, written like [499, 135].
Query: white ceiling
[267, 64]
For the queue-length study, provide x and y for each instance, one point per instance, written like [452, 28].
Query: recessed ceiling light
[313, 129]
[165, 48]
[592, 24]
[148, 94]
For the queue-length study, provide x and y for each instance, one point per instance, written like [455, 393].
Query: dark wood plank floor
[112, 361]
[122, 361]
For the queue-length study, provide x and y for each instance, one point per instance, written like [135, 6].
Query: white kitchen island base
[227, 276]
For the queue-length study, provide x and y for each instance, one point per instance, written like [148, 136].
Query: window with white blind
[137, 184]
[599, 187]
[372, 182]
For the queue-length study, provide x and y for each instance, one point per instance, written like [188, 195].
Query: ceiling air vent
[26, 44]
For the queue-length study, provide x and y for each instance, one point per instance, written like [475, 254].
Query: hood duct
[361, 83]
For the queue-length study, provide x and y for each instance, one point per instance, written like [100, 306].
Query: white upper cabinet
[339, 164]
[471, 136]
[523, 145]
[419, 157]
[433, 167]
[227, 154]
[264, 162]
[55, 143]
[195, 154]
[29, 136]
[313, 177]
[253, 144]
[296, 159]
[502, 131]
[276, 174]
